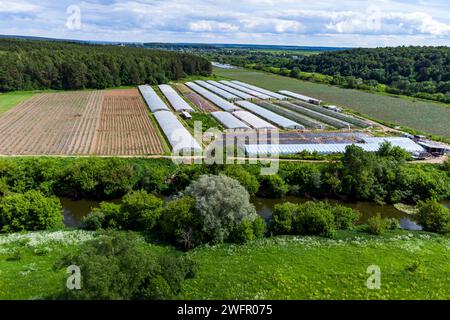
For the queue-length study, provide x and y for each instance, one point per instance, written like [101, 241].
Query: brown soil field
[80, 123]
[125, 127]
[200, 102]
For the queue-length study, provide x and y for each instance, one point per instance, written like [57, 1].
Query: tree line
[36, 65]
[422, 72]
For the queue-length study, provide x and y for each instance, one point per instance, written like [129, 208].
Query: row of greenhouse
[243, 107]
[286, 110]
[179, 138]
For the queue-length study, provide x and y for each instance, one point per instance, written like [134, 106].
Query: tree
[222, 204]
[433, 216]
[247, 180]
[273, 186]
[30, 211]
[282, 218]
[314, 219]
[117, 266]
[178, 222]
[142, 210]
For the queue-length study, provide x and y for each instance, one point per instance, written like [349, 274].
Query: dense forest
[31, 65]
[406, 70]
[422, 72]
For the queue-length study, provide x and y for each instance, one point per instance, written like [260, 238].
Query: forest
[407, 70]
[37, 65]
[421, 72]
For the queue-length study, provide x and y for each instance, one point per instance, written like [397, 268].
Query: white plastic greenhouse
[179, 137]
[176, 101]
[246, 90]
[229, 121]
[222, 93]
[274, 118]
[264, 91]
[253, 121]
[218, 101]
[300, 97]
[236, 92]
[152, 99]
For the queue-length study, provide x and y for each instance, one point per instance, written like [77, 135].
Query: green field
[414, 265]
[417, 114]
[10, 100]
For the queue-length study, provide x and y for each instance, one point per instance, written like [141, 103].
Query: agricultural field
[197, 100]
[417, 114]
[125, 127]
[112, 122]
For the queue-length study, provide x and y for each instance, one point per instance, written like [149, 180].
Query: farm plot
[420, 115]
[51, 124]
[200, 102]
[79, 123]
[125, 127]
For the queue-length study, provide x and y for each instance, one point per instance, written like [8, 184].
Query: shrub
[273, 186]
[433, 216]
[246, 179]
[377, 225]
[281, 222]
[142, 210]
[344, 217]
[117, 266]
[314, 219]
[30, 211]
[222, 205]
[177, 219]
[107, 216]
[393, 224]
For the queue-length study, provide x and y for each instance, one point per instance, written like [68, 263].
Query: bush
[246, 179]
[377, 225]
[433, 216]
[314, 219]
[281, 222]
[222, 205]
[142, 210]
[117, 266]
[178, 219]
[393, 224]
[273, 186]
[107, 216]
[30, 211]
[249, 230]
[344, 217]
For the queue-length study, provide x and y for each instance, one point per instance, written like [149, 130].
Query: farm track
[114, 122]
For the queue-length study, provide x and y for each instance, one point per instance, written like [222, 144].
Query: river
[75, 210]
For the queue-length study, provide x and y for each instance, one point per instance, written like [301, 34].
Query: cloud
[17, 7]
[348, 22]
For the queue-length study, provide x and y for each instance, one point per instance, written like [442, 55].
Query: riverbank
[413, 265]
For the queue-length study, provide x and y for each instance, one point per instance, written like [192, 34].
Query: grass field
[414, 265]
[417, 114]
[9, 100]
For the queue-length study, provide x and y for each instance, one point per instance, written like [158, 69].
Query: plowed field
[114, 122]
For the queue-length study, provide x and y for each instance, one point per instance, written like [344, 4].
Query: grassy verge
[10, 100]
[414, 265]
[421, 115]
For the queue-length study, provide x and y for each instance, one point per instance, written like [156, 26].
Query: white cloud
[17, 7]
[305, 22]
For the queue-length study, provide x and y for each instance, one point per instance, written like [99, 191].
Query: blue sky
[356, 23]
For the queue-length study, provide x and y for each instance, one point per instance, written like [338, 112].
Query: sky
[343, 23]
